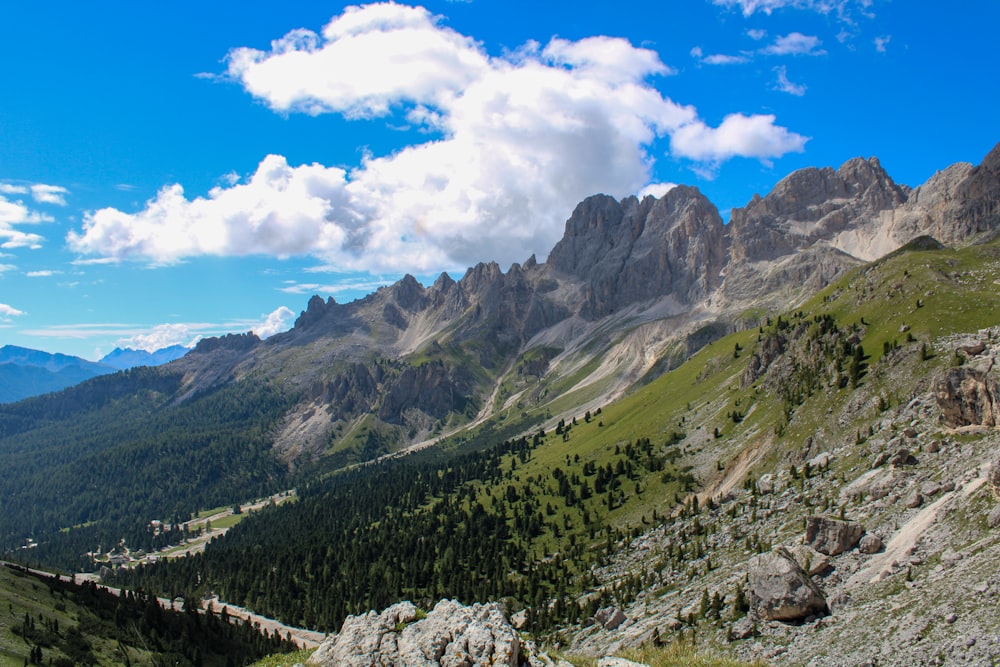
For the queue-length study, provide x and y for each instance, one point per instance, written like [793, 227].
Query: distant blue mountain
[129, 358]
[25, 372]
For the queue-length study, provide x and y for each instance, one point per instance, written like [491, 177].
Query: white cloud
[276, 322]
[161, 336]
[514, 143]
[841, 7]
[786, 86]
[49, 194]
[755, 136]
[656, 189]
[881, 42]
[718, 58]
[795, 44]
[362, 286]
[16, 213]
[724, 59]
[7, 312]
[11, 189]
[41, 274]
[756, 34]
[6, 267]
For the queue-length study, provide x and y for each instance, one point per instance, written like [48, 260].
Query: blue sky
[169, 172]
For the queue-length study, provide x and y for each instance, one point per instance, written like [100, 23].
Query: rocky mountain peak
[813, 205]
[635, 250]
[409, 294]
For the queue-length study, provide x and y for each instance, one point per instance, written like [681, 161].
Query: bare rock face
[432, 388]
[955, 204]
[781, 591]
[451, 635]
[633, 250]
[832, 536]
[967, 396]
[812, 205]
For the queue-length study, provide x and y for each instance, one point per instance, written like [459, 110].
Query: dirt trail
[302, 637]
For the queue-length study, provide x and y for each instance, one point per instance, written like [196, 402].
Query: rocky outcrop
[432, 388]
[229, 342]
[968, 397]
[832, 536]
[450, 635]
[781, 591]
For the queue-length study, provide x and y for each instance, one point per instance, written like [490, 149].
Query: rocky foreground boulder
[450, 635]
[781, 591]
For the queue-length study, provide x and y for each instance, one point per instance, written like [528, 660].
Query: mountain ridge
[652, 270]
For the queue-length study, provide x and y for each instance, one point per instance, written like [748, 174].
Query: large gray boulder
[450, 635]
[781, 591]
[832, 536]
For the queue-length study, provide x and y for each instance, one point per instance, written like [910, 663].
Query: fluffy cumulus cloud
[755, 136]
[277, 321]
[513, 143]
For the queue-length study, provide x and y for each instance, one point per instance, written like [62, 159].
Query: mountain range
[633, 288]
[25, 372]
[611, 440]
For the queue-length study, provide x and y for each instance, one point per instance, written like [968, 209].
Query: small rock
[934, 446]
[929, 489]
[744, 628]
[870, 544]
[973, 350]
[766, 483]
[610, 617]
[880, 460]
[910, 433]
[821, 460]
[902, 457]
[950, 557]
[950, 618]
[519, 619]
[994, 518]
[914, 500]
